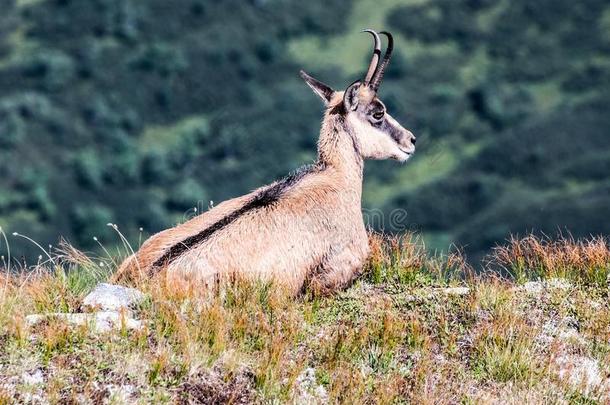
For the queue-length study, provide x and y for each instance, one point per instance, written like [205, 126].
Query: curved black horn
[374, 58]
[384, 64]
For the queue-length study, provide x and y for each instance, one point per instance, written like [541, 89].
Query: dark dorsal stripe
[264, 198]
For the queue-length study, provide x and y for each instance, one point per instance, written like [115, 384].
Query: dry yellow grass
[403, 333]
[585, 261]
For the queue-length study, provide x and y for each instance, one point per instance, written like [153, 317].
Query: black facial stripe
[391, 130]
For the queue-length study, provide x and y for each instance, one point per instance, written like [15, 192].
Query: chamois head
[374, 131]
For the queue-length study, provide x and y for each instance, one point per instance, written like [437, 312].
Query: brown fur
[313, 236]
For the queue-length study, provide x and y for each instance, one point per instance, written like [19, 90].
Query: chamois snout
[405, 140]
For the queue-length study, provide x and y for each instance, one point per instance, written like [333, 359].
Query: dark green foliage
[136, 112]
[536, 94]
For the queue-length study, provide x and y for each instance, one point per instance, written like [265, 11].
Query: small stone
[307, 390]
[33, 378]
[537, 287]
[457, 291]
[564, 330]
[581, 372]
[120, 394]
[572, 335]
[110, 297]
[108, 320]
[100, 322]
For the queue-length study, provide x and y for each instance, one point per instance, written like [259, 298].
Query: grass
[585, 262]
[405, 332]
[503, 350]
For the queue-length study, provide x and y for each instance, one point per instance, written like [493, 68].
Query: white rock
[120, 394]
[558, 283]
[457, 291]
[99, 321]
[110, 297]
[307, 391]
[33, 398]
[580, 372]
[572, 335]
[556, 329]
[536, 287]
[596, 304]
[33, 378]
[320, 392]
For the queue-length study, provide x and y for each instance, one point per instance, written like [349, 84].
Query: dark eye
[378, 115]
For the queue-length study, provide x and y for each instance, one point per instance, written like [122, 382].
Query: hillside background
[133, 112]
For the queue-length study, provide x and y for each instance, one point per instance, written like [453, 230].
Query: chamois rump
[305, 231]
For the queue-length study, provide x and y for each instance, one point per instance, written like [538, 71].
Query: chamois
[305, 231]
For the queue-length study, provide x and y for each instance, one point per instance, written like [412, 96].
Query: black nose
[413, 140]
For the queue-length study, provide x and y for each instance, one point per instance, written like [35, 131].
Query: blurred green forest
[133, 112]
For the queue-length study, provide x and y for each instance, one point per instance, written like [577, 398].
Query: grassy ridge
[412, 329]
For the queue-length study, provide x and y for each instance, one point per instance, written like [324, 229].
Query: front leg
[337, 269]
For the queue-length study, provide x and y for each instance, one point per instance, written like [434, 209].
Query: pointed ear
[350, 98]
[321, 89]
